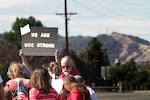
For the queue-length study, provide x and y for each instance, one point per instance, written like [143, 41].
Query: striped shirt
[35, 94]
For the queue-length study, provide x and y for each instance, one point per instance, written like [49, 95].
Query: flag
[22, 92]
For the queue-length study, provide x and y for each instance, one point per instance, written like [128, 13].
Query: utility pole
[66, 27]
[66, 24]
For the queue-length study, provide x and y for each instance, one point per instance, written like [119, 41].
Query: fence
[116, 88]
[106, 89]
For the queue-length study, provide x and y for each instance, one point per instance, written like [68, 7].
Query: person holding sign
[25, 62]
[66, 64]
[68, 67]
[53, 70]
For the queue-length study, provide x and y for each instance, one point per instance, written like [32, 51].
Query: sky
[90, 18]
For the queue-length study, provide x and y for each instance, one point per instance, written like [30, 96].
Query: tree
[145, 75]
[131, 71]
[124, 73]
[94, 57]
[13, 37]
[12, 42]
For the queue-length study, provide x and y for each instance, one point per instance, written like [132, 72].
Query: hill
[118, 45]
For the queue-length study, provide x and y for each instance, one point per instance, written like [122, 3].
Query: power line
[90, 9]
[133, 3]
[109, 9]
[119, 14]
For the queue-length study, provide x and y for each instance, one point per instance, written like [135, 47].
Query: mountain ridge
[117, 45]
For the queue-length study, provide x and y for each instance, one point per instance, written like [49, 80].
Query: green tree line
[130, 75]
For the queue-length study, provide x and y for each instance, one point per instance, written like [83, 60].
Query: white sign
[24, 30]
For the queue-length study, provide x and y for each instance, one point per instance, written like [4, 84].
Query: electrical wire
[90, 9]
[108, 9]
[119, 14]
[133, 4]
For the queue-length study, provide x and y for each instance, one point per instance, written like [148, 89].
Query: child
[76, 89]
[41, 86]
[83, 81]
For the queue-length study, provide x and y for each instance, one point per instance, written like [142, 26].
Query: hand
[57, 56]
[56, 53]
[21, 53]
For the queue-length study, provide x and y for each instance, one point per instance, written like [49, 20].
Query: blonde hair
[14, 70]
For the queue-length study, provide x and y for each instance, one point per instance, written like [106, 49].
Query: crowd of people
[58, 80]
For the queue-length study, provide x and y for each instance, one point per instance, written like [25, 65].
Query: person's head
[80, 79]
[47, 67]
[40, 80]
[53, 67]
[66, 64]
[70, 82]
[15, 70]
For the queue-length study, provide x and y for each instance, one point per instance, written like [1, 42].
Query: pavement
[133, 95]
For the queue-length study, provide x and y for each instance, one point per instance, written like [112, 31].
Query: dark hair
[40, 80]
[45, 66]
[54, 67]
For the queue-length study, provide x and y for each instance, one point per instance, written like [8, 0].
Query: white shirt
[57, 84]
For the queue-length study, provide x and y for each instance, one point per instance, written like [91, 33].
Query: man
[68, 67]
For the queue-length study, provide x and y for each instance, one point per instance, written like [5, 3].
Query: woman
[15, 73]
[53, 70]
[41, 87]
[76, 89]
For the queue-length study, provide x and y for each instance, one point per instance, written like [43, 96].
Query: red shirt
[35, 94]
[75, 95]
[73, 72]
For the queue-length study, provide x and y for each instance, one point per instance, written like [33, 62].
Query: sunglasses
[65, 66]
